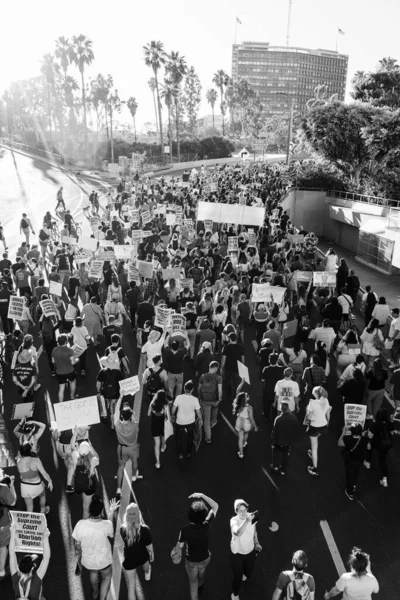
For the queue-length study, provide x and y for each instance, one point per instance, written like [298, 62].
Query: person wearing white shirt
[288, 389]
[394, 335]
[153, 346]
[381, 312]
[359, 584]
[184, 411]
[325, 334]
[244, 545]
[317, 415]
[346, 303]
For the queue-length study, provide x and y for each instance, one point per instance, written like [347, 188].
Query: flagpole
[337, 39]
[235, 29]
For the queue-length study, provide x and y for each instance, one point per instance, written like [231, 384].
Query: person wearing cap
[288, 389]
[127, 430]
[295, 579]
[138, 547]
[27, 577]
[93, 549]
[210, 395]
[184, 411]
[64, 359]
[25, 375]
[244, 545]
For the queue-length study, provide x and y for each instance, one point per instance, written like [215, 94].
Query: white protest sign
[305, 276]
[135, 216]
[106, 255]
[96, 268]
[129, 386]
[171, 273]
[208, 225]
[171, 217]
[16, 307]
[261, 292]
[68, 240]
[179, 219]
[56, 288]
[94, 223]
[87, 243]
[243, 372]
[233, 243]
[185, 283]
[298, 238]
[123, 252]
[146, 217]
[137, 234]
[22, 411]
[147, 234]
[354, 413]
[106, 243]
[80, 412]
[188, 223]
[160, 209]
[324, 279]
[178, 323]
[30, 529]
[48, 308]
[162, 316]
[133, 274]
[145, 268]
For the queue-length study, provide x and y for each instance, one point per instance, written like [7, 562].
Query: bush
[317, 174]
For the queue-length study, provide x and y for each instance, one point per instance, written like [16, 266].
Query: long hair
[239, 403]
[372, 325]
[378, 370]
[132, 530]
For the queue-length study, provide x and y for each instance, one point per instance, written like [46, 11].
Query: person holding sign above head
[27, 577]
[32, 474]
[85, 479]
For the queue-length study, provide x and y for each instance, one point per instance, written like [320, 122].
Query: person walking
[27, 577]
[138, 547]
[86, 460]
[194, 537]
[25, 227]
[231, 354]
[287, 389]
[8, 499]
[184, 411]
[81, 338]
[64, 359]
[376, 378]
[368, 302]
[32, 474]
[354, 445]
[127, 430]
[244, 545]
[383, 429]
[317, 416]
[210, 396]
[295, 583]
[284, 433]
[394, 336]
[158, 414]
[245, 422]
[271, 374]
[372, 342]
[359, 583]
[173, 363]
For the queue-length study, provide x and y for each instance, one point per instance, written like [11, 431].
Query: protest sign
[305, 276]
[56, 288]
[96, 268]
[298, 238]
[324, 279]
[160, 209]
[16, 307]
[179, 219]
[185, 283]
[162, 316]
[87, 243]
[242, 200]
[114, 213]
[113, 170]
[178, 323]
[233, 243]
[188, 223]
[69, 240]
[171, 217]
[129, 386]
[30, 529]
[94, 223]
[106, 243]
[243, 372]
[290, 328]
[22, 411]
[133, 274]
[106, 255]
[48, 308]
[82, 258]
[137, 234]
[146, 217]
[145, 268]
[171, 273]
[147, 234]
[80, 412]
[123, 252]
[208, 225]
[252, 237]
[135, 216]
[262, 292]
[354, 413]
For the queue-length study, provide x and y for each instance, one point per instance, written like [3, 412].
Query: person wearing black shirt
[5, 295]
[354, 445]
[145, 312]
[110, 329]
[5, 263]
[132, 300]
[232, 353]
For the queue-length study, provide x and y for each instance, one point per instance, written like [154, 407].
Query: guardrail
[24, 147]
[364, 198]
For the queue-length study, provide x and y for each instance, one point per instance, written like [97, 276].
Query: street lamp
[289, 138]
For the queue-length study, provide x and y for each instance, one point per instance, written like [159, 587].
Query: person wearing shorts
[317, 416]
[32, 473]
[127, 429]
[63, 358]
[8, 498]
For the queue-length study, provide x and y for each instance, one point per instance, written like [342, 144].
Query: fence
[364, 198]
[24, 147]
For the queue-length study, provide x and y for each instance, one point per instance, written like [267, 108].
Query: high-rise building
[293, 71]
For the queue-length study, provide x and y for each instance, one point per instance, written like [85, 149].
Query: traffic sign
[244, 155]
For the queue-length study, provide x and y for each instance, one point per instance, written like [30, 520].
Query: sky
[203, 33]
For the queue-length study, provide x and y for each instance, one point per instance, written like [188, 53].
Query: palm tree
[176, 68]
[169, 92]
[221, 80]
[82, 55]
[49, 68]
[211, 97]
[152, 85]
[133, 106]
[63, 53]
[154, 57]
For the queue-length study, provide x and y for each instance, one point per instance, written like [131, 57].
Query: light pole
[290, 128]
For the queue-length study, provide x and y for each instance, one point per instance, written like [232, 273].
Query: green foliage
[191, 98]
[381, 87]
[245, 107]
[317, 174]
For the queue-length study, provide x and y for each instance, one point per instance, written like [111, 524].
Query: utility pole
[288, 23]
[289, 140]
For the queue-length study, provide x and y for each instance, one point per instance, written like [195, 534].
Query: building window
[375, 250]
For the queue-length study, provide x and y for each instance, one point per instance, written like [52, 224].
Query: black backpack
[371, 301]
[154, 382]
[24, 224]
[82, 478]
[110, 385]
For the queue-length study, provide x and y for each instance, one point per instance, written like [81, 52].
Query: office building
[292, 71]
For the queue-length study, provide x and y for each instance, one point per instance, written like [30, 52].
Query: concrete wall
[342, 234]
[359, 207]
[307, 208]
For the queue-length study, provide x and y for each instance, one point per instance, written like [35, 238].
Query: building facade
[293, 72]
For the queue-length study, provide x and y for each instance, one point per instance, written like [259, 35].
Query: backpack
[24, 224]
[43, 236]
[113, 357]
[82, 478]
[110, 385]
[47, 329]
[297, 589]
[371, 301]
[154, 383]
[208, 388]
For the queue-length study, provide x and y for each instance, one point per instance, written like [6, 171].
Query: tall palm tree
[152, 85]
[63, 53]
[132, 104]
[154, 57]
[49, 68]
[82, 55]
[221, 80]
[169, 92]
[176, 68]
[211, 97]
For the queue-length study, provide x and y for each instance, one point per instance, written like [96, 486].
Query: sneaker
[309, 454]
[273, 468]
[180, 457]
[70, 489]
[350, 496]
[367, 464]
[240, 455]
[384, 482]
[207, 441]
[313, 471]
[163, 448]
[147, 575]
[46, 510]
[234, 597]
[83, 372]
[369, 416]
[118, 494]
[158, 465]
[213, 425]
[53, 373]
[244, 578]
[188, 455]
[282, 472]
[244, 445]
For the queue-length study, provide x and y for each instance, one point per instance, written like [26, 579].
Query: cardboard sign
[290, 328]
[262, 292]
[16, 307]
[129, 386]
[133, 274]
[146, 217]
[80, 412]
[69, 240]
[324, 279]
[123, 252]
[298, 239]
[354, 413]
[171, 273]
[178, 323]
[171, 218]
[48, 308]
[163, 314]
[305, 276]
[87, 243]
[96, 269]
[30, 528]
[106, 255]
[56, 288]
[145, 268]
[22, 411]
[243, 372]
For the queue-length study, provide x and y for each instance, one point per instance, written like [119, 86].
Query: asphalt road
[297, 502]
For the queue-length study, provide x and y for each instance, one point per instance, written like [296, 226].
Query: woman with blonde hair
[317, 418]
[245, 422]
[138, 547]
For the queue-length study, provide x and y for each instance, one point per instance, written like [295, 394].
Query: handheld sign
[80, 412]
[243, 372]
[30, 528]
[324, 279]
[16, 307]
[290, 328]
[22, 411]
[129, 386]
[233, 243]
[178, 323]
[48, 308]
[171, 273]
[145, 268]
[305, 276]
[354, 413]
[87, 243]
[162, 316]
[56, 288]
[96, 268]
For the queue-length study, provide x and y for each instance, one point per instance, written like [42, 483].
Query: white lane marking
[391, 402]
[264, 470]
[333, 549]
[231, 427]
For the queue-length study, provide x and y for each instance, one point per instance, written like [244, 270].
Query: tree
[379, 88]
[133, 106]
[211, 97]
[245, 105]
[63, 52]
[168, 93]
[176, 69]
[335, 131]
[191, 98]
[155, 57]
[114, 105]
[320, 97]
[152, 85]
[82, 55]
[49, 69]
[221, 80]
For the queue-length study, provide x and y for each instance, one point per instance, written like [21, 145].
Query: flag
[239, 21]
[340, 31]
